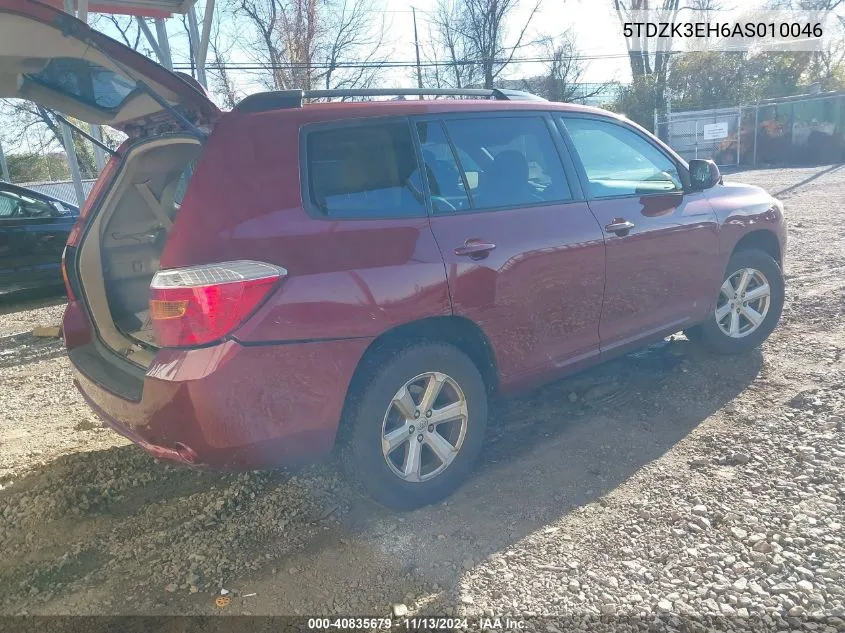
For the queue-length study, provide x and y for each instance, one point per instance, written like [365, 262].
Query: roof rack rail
[279, 99]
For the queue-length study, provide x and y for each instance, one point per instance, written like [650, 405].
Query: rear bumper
[233, 407]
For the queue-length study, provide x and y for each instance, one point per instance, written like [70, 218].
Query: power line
[395, 64]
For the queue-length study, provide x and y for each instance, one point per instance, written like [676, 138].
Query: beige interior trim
[90, 257]
[155, 205]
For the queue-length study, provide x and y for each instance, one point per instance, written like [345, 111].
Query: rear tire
[748, 308]
[403, 458]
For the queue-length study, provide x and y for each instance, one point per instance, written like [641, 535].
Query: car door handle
[619, 226]
[475, 249]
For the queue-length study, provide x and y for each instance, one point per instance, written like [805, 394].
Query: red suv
[250, 288]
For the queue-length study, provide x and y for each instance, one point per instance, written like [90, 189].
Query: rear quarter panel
[347, 278]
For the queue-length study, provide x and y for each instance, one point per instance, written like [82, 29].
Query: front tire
[418, 426]
[748, 308]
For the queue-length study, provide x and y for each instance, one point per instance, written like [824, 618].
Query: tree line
[309, 44]
[701, 80]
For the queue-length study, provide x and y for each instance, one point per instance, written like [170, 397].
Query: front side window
[620, 162]
[8, 205]
[365, 171]
[13, 205]
[509, 161]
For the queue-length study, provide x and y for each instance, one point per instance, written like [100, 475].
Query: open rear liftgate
[158, 11]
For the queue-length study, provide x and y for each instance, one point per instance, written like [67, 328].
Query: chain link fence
[804, 129]
[61, 189]
[711, 134]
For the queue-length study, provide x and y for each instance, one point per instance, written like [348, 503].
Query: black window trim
[305, 177]
[560, 124]
[566, 161]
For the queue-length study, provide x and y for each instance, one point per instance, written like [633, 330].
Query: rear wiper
[95, 141]
[164, 104]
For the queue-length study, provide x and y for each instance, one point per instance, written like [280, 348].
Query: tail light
[202, 304]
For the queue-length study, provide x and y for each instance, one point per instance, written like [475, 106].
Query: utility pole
[417, 47]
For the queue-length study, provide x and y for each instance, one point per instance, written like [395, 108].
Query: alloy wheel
[424, 427]
[744, 300]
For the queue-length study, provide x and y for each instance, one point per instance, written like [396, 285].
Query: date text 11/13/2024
[414, 624]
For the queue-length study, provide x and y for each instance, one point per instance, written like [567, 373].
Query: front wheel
[748, 308]
[418, 426]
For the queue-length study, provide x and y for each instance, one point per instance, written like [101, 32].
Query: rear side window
[620, 162]
[364, 171]
[513, 163]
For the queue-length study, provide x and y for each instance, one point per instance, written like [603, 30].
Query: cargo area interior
[132, 225]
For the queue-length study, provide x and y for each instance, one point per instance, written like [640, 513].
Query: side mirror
[59, 210]
[703, 174]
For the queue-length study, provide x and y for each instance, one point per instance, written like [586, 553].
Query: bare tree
[298, 31]
[310, 43]
[450, 56]
[705, 10]
[263, 15]
[649, 58]
[353, 35]
[484, 24]
[220, 81]
[127, 29]
[828, 66]
[26, 123]
[806, 5]
[564, 72]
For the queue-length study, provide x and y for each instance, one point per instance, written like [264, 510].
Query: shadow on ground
[31, 299]
[307, 542]
[22, 349]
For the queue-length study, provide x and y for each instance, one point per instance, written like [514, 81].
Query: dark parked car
[33, 230]
[247, 289]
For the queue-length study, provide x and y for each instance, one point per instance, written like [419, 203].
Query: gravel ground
[669, 484]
